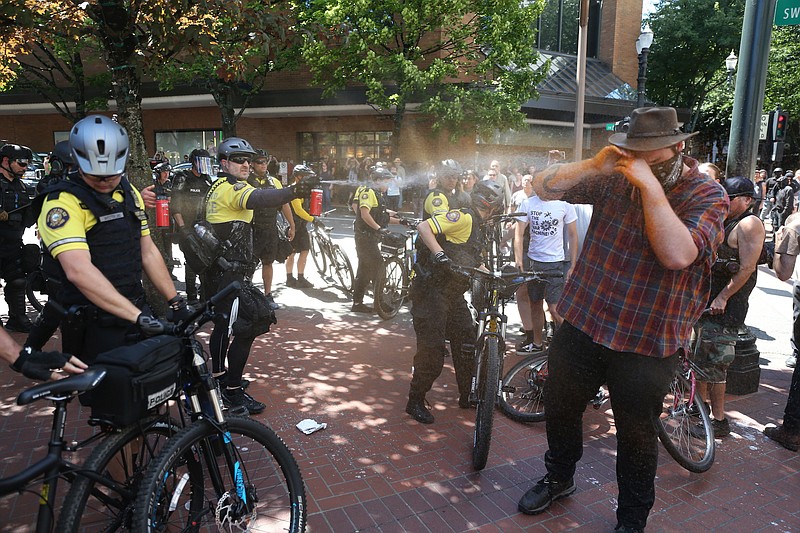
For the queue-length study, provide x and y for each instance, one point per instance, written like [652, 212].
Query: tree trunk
[397, 127]
[224, 95]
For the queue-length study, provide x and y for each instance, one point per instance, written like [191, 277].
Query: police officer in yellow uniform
[439, 198]
[438, 308]
[371, 221]
[229, 210]
[95, 233]
[265, 223]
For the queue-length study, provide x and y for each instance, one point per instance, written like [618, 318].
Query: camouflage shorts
[714, 350]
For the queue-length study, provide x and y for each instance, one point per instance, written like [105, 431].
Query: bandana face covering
[667, 172]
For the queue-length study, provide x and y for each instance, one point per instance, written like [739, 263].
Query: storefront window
[177, 144]
[313, 146]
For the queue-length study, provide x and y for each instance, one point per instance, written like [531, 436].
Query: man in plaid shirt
[640, 284]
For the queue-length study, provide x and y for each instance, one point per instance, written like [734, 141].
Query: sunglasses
[102, 178]
[22, 162]
[239, 159]
[493, 174]
[260, 161]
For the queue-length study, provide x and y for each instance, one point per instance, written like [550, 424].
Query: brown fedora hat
[651, 128]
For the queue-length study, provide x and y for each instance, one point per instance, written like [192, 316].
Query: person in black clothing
[784, 201]
[438, 308]
[265, 228]
[372, 217]
[61, 165]
[733, 277]
[189, 192]
[14, 218]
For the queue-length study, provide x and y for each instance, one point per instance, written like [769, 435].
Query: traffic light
[781, 119]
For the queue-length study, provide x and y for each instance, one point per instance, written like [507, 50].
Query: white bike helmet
[99, 146]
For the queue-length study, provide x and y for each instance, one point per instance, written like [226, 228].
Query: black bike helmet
[15, 151]
[302, 170]
[488, 195]
[63, 153]
[449, 168]
[380, 173]
[99, 146]
[234, 146]
[261, 153]
[162, 167]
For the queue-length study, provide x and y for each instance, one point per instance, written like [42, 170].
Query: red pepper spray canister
[162, 212]
[315, 203]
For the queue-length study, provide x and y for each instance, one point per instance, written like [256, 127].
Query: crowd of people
[658, 253]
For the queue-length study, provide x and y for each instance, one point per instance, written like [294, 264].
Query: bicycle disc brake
[231, 514]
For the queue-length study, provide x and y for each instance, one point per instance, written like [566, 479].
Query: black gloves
[151, 326]
[178, 309]
[303, 188]
[440, 260]
[38, 365]
[383, 232]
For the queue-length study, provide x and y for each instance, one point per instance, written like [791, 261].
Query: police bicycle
[497, 288]
[392, 282]
[330, 259]
[103, 487]
[229, 472]
[522, 399]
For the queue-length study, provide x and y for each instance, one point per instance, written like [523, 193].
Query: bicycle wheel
[522, 389]
[316, 252]
[389, 298]
[264, 479]
[34, 290]
[120, 458]
[488, 383]
[343, 269]
[683, 409]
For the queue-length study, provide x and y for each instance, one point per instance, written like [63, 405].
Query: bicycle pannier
[200, 247]
[139, 377]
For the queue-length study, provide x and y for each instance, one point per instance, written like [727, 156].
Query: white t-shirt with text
[546, 223]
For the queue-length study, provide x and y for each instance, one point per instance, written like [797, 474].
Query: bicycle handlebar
[509, 278]
[203, 313]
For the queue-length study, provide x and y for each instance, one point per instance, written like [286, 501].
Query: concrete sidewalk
[374, 469]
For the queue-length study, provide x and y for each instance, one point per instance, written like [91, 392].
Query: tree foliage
[243, 43]
[692, 40]
[469, 63]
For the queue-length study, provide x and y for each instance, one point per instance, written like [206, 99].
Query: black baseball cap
[738, 186]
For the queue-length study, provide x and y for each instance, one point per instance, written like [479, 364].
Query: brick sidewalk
[374, 469]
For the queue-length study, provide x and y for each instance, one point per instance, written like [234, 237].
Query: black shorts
[301, 241]
[265, 243]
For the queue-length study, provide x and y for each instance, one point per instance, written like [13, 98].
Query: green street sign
[610, 125]
[787, 13]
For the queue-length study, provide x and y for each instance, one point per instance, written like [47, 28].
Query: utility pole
[751, 79]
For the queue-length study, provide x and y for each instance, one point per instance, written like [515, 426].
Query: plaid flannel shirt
[619, 294]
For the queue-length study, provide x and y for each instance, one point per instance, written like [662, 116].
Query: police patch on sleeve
[238, 186]
[365, 196]
[453, 216]
[56, 218]
[436, 202]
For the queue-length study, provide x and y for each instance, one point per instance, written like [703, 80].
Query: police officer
[61, 165]
[14, 218]
[189, 188]
[438, 308]
[372, 218]
[95, 231]
[162, 235]
[438, 199]
[229, 210]
[265, 226]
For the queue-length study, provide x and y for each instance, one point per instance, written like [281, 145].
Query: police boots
[15, 297]
[418, 410]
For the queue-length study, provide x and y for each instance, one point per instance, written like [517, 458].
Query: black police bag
[138, 378]
[200, 247]
[255, 313]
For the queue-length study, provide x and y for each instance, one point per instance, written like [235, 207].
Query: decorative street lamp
[730, 64]
[642, 48]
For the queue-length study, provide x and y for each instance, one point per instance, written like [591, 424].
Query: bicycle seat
[76, 383]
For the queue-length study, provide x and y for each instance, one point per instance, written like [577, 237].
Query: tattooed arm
[555, 180]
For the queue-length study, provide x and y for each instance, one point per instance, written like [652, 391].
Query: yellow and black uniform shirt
[455, 226]
[436, 203]
[65, 220]
[377, 209]
[227, 200]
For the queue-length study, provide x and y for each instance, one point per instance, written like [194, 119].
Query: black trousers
[226, 353]
[438, 317]
[370, 262]
[637, 385]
